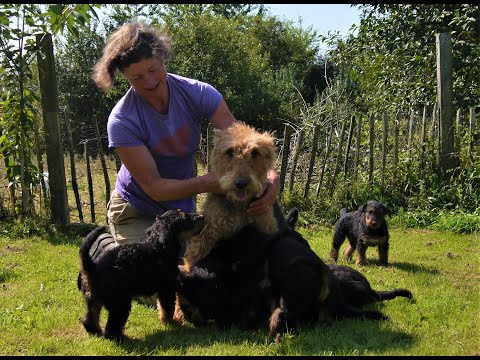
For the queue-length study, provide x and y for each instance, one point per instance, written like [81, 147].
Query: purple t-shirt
[172, 139]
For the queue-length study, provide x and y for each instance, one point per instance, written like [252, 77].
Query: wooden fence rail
[401, 143]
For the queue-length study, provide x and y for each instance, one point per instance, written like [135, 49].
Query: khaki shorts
[127, 224]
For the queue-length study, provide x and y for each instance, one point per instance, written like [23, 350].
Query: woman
[155, 130]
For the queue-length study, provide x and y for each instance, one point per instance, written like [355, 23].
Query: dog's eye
[229, 153]
[255, 153]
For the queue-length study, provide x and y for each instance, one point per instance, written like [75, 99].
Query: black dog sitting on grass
[141, 269]
[364, 227]
[227, 286]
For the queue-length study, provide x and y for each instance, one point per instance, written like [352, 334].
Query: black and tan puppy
[142, 269]
[355, 287]
[226, 287]
[304, 288]
[229, 286]
[357, 290]
[364, 227]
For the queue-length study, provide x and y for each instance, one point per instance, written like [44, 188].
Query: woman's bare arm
[140, 164]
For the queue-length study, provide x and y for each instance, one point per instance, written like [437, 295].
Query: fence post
[458, 132]
[370, 155]
[210, 132]
[445, 103]
[102, 160]
[347, 150]
[410, 133]
[46, 199]
[434, 134]
[285, 152]
[118, 162]
[422, 140]
[337, 162]
[90, 182]
[55, 160]
[384, 147]
[72, 164]
[296, 155]
[395, 146]
[472, 130]
[313, 154]
[358, 143]
[327, 154]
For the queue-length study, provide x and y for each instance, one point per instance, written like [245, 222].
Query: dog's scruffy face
[241, 158]
[375, 213]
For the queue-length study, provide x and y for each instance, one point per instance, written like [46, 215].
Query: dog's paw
[92, 329]
[184, 269]
[178, 317]
[117, 337]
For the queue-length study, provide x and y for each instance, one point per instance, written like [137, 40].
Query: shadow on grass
[182, 338]
[406, 266]
[344, 337]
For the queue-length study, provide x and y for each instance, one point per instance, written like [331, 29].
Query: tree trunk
[55, 161]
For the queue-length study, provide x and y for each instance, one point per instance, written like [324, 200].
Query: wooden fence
[384, 150]
[344, 152]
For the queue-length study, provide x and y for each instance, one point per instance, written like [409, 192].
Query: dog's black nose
[241, 183]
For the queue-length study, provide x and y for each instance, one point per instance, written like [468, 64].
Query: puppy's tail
[86, 262]
[388, 295]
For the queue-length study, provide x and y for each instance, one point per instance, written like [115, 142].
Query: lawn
[40, 305]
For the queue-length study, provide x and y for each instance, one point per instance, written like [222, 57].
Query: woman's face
[148, 77]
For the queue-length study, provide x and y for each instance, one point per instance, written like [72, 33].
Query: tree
[392, 57]
[19, 23]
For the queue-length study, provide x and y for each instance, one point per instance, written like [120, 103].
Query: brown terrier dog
[241, 158]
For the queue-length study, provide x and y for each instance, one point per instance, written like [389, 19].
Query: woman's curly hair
[129, 44]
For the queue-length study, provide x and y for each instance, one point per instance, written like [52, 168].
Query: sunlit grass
[40, 305]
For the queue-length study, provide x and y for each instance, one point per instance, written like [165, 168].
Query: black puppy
[304, 288]
[355, 287]
[363, 228]
[357, 290]
[226, 287]
[124, 271]
[229, 286]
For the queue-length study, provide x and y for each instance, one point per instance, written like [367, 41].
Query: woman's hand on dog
[210, 183]
[269, 195]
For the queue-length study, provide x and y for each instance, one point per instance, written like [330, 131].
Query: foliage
[393, 55]
[256, 61]
[19, 23]
[79, 97]
[389, 68]
[28, 227]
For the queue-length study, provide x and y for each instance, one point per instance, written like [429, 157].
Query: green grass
[40, 305]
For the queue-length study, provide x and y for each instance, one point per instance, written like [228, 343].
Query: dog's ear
[387, 210]
[292, 218]
[362, 207]
[216, 135]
